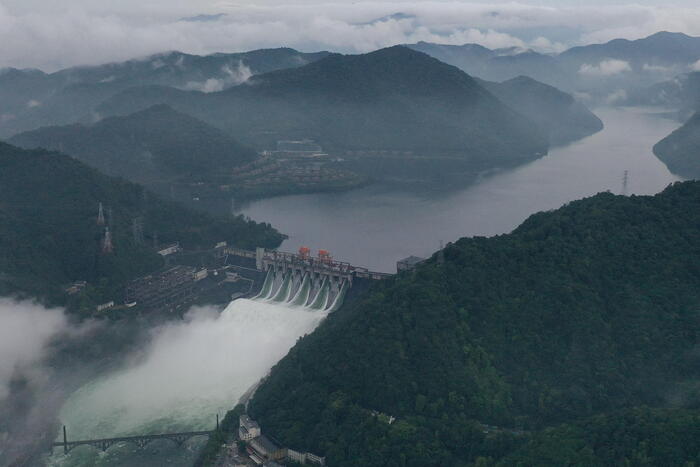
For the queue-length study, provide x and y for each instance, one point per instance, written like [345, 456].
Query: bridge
[140, 440]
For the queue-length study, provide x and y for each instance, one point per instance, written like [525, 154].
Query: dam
[300, 279]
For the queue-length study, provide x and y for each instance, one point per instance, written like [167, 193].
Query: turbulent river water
[190, 371]
[194, 369]
[376, 226]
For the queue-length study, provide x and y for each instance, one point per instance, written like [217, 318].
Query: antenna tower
[107, 246]
[625, 180]
[100, 215]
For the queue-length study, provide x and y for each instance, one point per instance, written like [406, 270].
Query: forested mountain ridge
[394, 99]
[680, 150]
[31, 98]
[585, 310]
[557, 113]
[155, 144]
[49, 234]
[637, 64]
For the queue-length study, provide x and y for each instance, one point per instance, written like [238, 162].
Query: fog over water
[376, 226]
[190, 371]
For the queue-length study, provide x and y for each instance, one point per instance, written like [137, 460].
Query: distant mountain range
[680, 150]
[595, 70]
[31, 98]
[394, 99]
[154, 145]
[681, 93]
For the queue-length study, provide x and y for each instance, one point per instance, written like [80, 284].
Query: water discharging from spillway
[190, 371]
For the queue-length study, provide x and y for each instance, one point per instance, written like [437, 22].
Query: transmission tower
[107, 246]
[137, 230]
[100, 215]
[625, 180]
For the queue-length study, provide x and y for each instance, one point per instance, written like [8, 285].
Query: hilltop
[580, 312]
[157, 144]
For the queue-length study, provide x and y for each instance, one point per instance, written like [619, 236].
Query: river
[375, 226]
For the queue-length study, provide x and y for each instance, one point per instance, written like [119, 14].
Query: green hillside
[156, 144]
[586, 310]
[680, 150]
[49, 234]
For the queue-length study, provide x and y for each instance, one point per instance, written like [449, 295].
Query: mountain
[680, 150]
[580, 312]
[31, 98]
[601, 72]
[395, 107]
[681, 92]
[660, 49]
[49, 234]
[154, 145]
[557, 113]
[495, 65]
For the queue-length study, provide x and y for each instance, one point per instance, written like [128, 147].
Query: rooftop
[412, 260]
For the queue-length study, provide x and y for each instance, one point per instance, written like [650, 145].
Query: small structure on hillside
[409, 263]
[247, 428]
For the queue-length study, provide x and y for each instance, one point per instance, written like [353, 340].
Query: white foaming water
[191, 371]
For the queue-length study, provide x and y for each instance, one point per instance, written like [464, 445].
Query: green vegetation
[578, 313]
[638, 437]
[680, 150]
[49, 235]
[154, 145]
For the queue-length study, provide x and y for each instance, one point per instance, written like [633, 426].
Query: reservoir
[376, 226]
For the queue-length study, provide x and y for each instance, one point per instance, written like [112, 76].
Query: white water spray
[190, 371]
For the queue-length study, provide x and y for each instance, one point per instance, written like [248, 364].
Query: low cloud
[26, 329]
[695, 66]
[658, 68]
[616, 97]
[36, 33]
[231, 77]
[605, 68]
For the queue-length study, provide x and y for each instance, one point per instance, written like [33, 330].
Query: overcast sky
[53, 34]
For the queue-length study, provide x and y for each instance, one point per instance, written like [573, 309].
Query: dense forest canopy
[49, 234]
[583, 311]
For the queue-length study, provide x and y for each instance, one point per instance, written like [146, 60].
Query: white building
[247, 428]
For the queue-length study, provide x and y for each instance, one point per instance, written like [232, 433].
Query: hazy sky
[51, 34]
